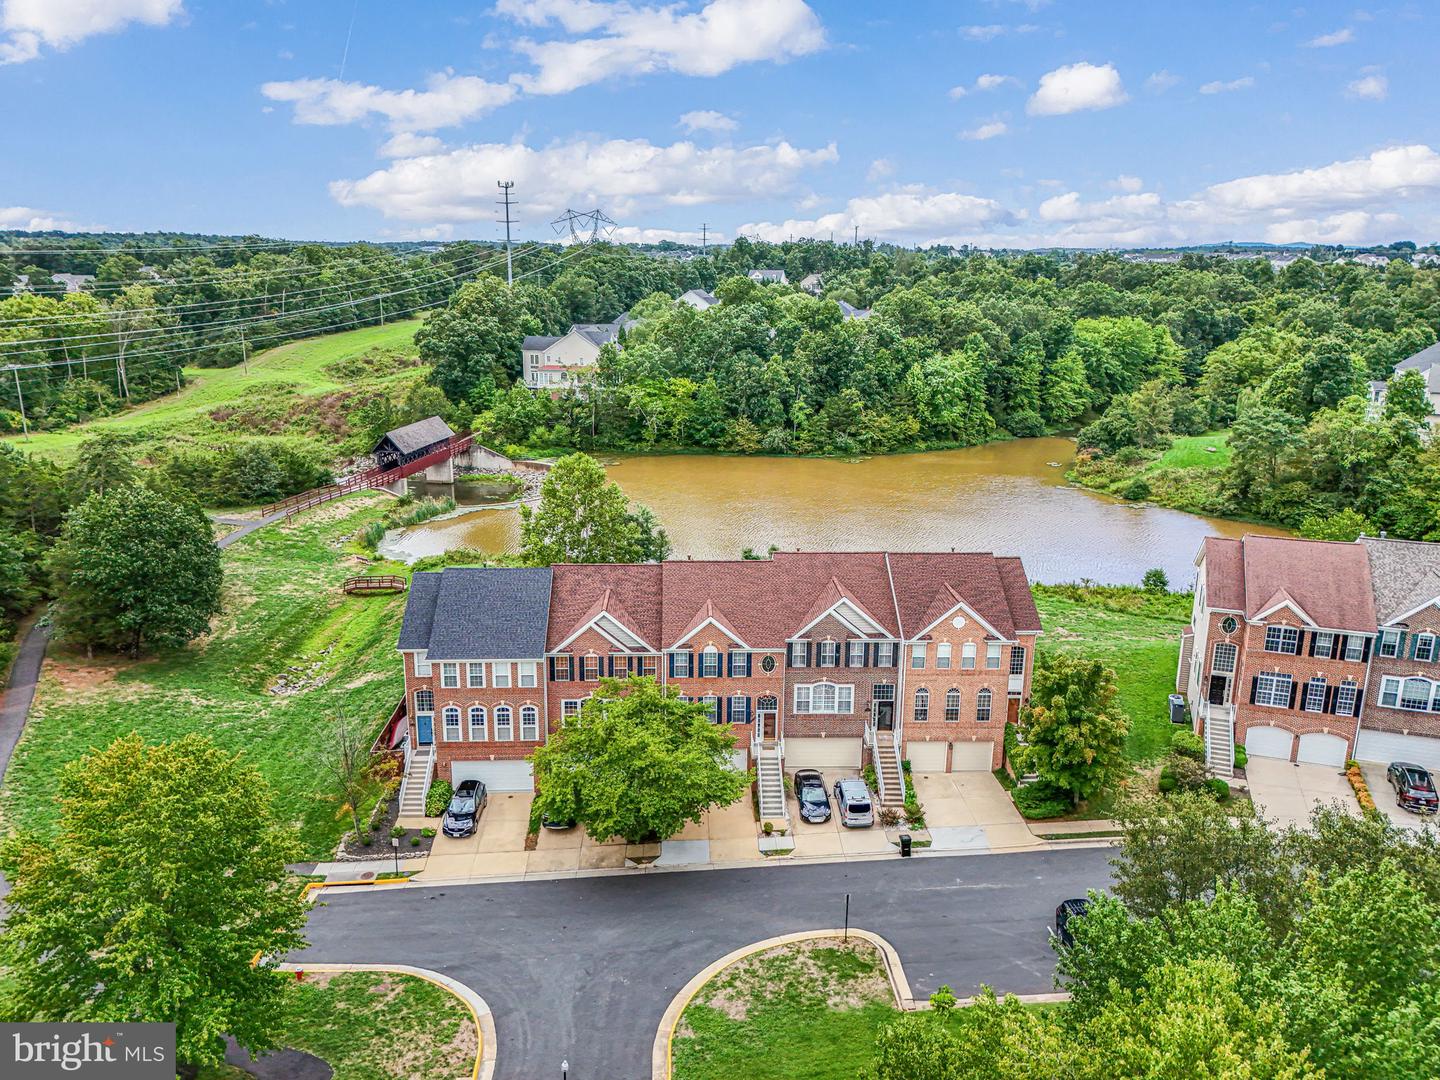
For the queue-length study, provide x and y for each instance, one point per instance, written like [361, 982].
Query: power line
[505, 186]
[173, 249]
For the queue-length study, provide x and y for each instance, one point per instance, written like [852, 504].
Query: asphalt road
[582, 968]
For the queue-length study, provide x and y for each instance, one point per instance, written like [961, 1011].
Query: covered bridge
[406, 444]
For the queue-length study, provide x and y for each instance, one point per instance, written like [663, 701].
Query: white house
[769, 277]
[812, 283]
[558, 363]
[1427, 362]
[699, 299]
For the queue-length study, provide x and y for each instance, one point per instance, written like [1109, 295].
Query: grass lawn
[284, 614]
[1195, 451]
[294, 370]
[376, 1026]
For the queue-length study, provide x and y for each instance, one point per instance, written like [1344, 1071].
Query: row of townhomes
[1314, 651]
[818, 659]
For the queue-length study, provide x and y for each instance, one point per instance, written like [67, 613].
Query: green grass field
[283, 615]
[295, 370]
[1209, 451]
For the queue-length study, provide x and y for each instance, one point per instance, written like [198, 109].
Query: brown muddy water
[1010, 498]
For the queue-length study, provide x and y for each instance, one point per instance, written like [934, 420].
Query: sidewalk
[1066, 828]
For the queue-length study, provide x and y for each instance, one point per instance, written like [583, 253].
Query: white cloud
[991, 31]
[1350, 227]
[1369, 88]
[1220, 87]
[633, 234]
[983, 83]
[407, 144]
[1127, 183]
[1070, 207]
[707, 120]
[911, 215]
[447, 100]
[1402, 171]
[1343, 36]
[992, 129]
[1160, 81]
[29, 24]
[625, 176]
[29, 219]
[1076, 87]
[879, 169]
[630, 40]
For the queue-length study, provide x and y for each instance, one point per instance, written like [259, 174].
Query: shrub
[905, 766]
[1166, 783]
[871, 781]
[914, 812]
[1219, 788]
[414, 841]
[438, 797]
[769, 827]
[1042, 800]
[1155, 580]
[1025, 424]
[367, 838]
[1187, 773]
[889, 817]
[1135, 490]
[1187, 744]
[397, 831]
[1240, 756]
[943, 998]
[427, 832]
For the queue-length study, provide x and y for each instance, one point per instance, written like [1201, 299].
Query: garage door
[497, 775]
[1320, 749]
[1268, 742]
[927, 757]
[1385, 747]
[822, 753]
[972, 757]
[740, 759]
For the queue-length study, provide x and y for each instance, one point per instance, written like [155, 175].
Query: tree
[133, 569]
[1155, 580]
[1074, 732]
[347, 764]
[949, 393]
[476, 337]
[1407, 397]
[102, 463]
[1344, 526]
[583, 517]
[636, 762]
[165, 879]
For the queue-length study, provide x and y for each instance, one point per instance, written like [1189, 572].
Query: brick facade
[863, 678]
[1406, 664]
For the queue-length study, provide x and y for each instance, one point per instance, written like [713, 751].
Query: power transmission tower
[24, 420]
[704, 236]
[504, 200]
[578, 221]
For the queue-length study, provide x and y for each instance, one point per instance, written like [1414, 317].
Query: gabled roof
[836, 598]
[699, 299]
[928, 585]
[419, 435]
[478, 613]
[1404, 576]
[1426, 358]
[713, 616]
[1328, 581]
[538, 343]
[629, 593]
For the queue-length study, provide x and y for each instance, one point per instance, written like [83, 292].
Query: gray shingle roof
[420, 434]
[1425, 358]
[475, 613]
[1404, 574]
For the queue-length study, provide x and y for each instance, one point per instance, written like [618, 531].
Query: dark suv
[1069, 909]
[462, 816]
[810, 794]
[1414, 787]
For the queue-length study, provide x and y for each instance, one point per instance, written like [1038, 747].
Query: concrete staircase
[887, 772]
[417, 782]
[770, 774]
[1220, 740]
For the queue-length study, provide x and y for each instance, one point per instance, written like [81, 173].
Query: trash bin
[904, 845]
[1177, 708]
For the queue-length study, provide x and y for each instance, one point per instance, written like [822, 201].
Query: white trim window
[1354, 647]
[1017, 659]
[967, 656]
[884, 654]
[450, 676]
[1282, 639]
[922, 705]
[710, 663]
[797, 654]
[739, 709]
[952, 706]
[1272, 689]
[475, 675]
[1314, 696]
[856, 654]
[982, 705]
[477, 723]
[563, 668]
[1226, 654]
[1346, 695]
[649, 666]
[1425, 647]
[681, 658]
[942, 655]
[529, 674]
[917, 656]
[424, 701]
[1414, 694]
[712, 708]
[500, 676]
[570, 708]
[422, 667]
[590, 668]
[504, 723]
[1324, 645]
[992, 655]
[1390, 643]
[529, 723]
[451, 717]
[829, 653]
[825, 697]
[739, 663]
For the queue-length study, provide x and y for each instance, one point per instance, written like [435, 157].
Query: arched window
[529, 723]
[768, 703]
[452, 723]
[982, 706]
[952, 706]
[922, 705]
[424, 701]
[504, 723]
[710, 663]
[477, 723]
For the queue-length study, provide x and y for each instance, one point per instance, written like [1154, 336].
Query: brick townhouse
[818, 659]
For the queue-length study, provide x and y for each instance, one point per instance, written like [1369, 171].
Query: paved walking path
[21, 691]
[245, 526]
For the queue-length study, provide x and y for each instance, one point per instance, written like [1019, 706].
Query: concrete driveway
[1384, 795]
[582, 968]
[970, 811]
[1286, 793]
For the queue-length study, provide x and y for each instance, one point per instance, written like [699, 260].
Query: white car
[852, 800]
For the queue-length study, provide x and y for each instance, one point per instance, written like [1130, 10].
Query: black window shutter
[866, 650]
[670, 664]
[552, 669]
[1365, 652]
[1359, 697]
[729, 710]
[1300, 641]
[789, 654]
[729, 664]
[1312, 644]
[1330, 695]
[693, 670]
[1254, 687]
[809, 653]
[1293, 687]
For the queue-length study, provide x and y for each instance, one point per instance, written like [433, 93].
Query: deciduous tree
[583, 517]
[1075, 733]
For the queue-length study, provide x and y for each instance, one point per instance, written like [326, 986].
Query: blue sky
[1029, 123]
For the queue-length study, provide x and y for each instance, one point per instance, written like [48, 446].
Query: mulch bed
[379, 847]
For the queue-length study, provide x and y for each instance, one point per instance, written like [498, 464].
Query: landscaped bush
[1362, 790]
[1241, 757]
[914, 812]
[438, 797]
[1219, 788]
[1188, 744]
[889, 817]
[1042, 800]
[1135, 490]
[1182, 773]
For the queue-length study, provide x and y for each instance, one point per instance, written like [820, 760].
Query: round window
[767, 663]
[958, 622]
[1228, 624]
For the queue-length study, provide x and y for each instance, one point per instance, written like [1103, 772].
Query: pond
[1010, 498]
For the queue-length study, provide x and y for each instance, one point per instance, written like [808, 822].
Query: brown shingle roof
[924, 582]
[1224, 573]
[578, 591]
[1329, 581]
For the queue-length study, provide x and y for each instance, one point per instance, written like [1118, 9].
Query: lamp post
[395, 845]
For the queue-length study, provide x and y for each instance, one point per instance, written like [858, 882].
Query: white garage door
[1385, 747]
[972, 757]
[740, 759]
[497, 775]
[822, 753]
[927, 757]
[1268, 742]
[1319, 749]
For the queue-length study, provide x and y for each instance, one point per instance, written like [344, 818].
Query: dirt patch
[838, 974]
[77, 676]
[368, 677]
[336, 510]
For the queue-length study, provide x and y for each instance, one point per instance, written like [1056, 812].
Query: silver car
[852, 800]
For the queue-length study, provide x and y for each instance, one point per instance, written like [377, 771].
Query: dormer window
[1282, 639]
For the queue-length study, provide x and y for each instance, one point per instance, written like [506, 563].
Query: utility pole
[24, 420]
[244, 352]
[857, 235]
[704, 236]
[504, 200]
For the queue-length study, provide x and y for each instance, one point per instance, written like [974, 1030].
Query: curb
[313, 889]
[485, 1053]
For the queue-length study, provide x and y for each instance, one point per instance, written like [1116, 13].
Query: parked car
[811, 795]
[852, 799]
[1414, 787]
[556, 823]
[462, 816]
[1068, 910]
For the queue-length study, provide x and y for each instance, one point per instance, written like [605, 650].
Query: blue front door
[426, 727]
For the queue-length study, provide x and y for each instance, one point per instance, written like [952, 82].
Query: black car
[810, 794]
[1070, 909]
[462, 816]
[1414, 787]
[555, 823]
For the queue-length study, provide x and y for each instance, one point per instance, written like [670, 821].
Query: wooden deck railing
[374, 583]
[370, 478]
